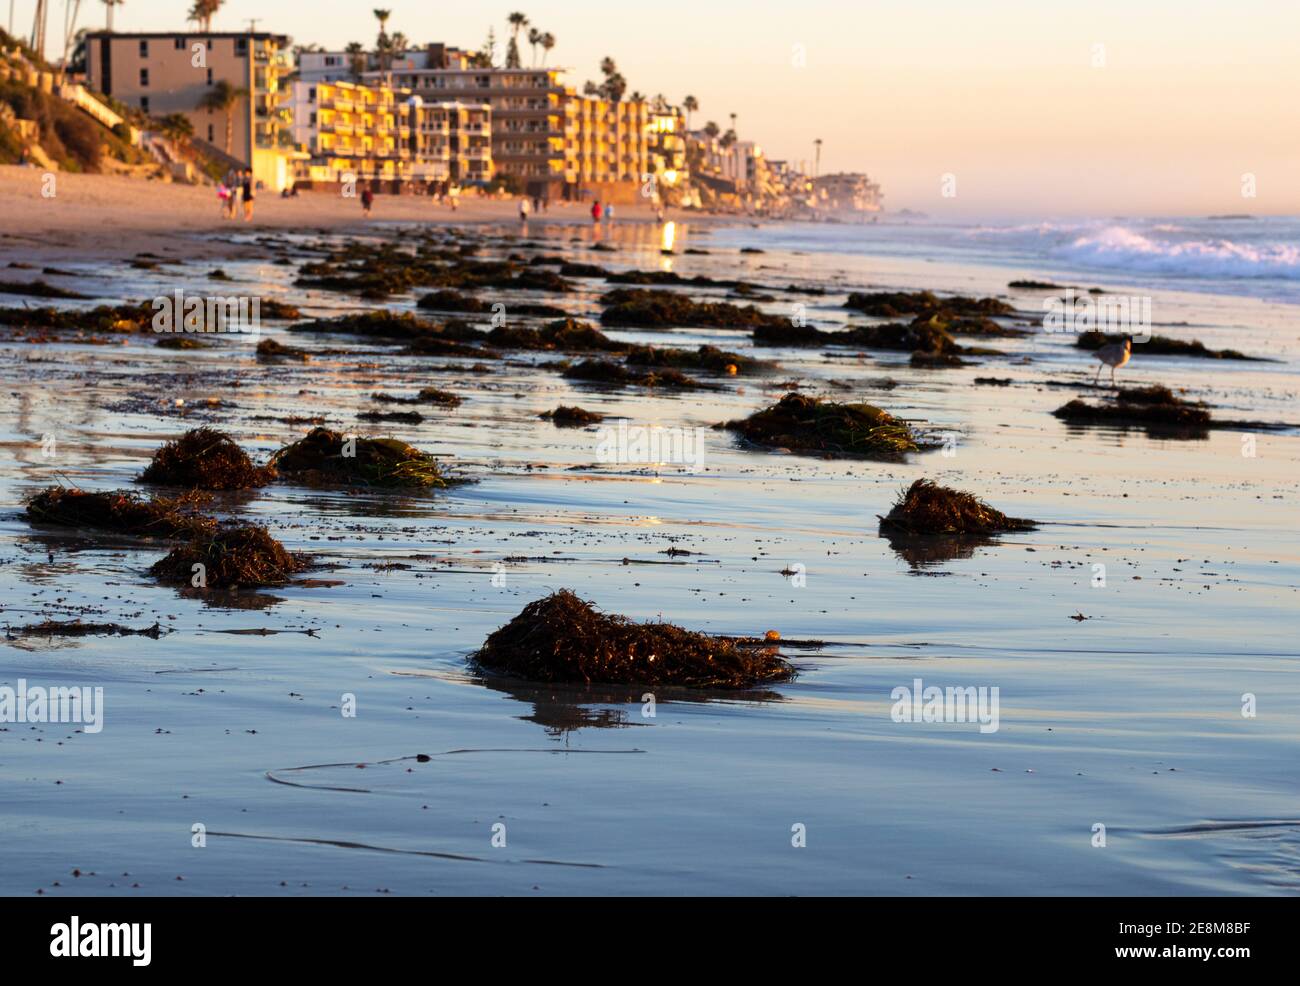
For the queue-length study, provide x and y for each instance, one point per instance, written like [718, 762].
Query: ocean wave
[1121, 247]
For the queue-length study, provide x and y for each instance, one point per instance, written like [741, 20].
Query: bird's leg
[1098, 375]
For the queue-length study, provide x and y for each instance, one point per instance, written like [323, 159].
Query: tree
[548, 42]
[712, 129]
[222, 98]
[733, 121]
[176, 127]
[818, 166]
[486, 57]
[398, 42]
[357, 61]
[518, 22]
[202, 12]
[614, 85]
[728, 139]
[690, 104]
[534, 39]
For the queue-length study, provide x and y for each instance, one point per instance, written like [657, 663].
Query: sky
[959, 108]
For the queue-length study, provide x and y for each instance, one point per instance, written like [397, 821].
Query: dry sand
[96, 217]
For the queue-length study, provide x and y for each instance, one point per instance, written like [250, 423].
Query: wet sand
[1130, 718]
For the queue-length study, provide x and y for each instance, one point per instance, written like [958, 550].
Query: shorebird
[1114, 355]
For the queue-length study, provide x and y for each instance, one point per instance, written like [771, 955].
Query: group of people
[237, 186]
[599, 212]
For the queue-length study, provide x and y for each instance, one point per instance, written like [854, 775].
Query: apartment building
[378, 133]
[666, 157]
[165, 73]
[554, 141]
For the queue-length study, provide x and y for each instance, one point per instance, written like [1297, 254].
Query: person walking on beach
[248, 195]
[367, 201]
[523, 210]
[224, 192]
[609, 213]
[595, 211]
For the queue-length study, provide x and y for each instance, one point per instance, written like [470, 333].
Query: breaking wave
[1123, 248]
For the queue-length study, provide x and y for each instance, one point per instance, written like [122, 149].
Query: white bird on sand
[1114, 355]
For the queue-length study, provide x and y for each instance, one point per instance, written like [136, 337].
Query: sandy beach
[103, 216]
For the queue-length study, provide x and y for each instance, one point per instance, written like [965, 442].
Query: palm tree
[547, 42]
[817, 168]
[202, 12]
[222, 98]
[733, 121]
[517, 22]
[110, 4]
[383, 45]
[690, 104]
[398, 42]
[728, 139]
[712, 129]
[534, 38]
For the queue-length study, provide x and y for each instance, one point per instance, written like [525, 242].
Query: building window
[144, 49]
[311, 94]
[144, 104]
[178, 44]
[144, 76]
[241, 46]
[212, 133]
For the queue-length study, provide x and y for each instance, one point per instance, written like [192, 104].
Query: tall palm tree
[383, 46]
[547, 42]
[733, 122]
[357, 61]
[712, 129]
[222, 98]
[690, 104]
[202, 12]
[517, 21]
[110, 4]
[534, 38]
[398, 42]
[817, 168]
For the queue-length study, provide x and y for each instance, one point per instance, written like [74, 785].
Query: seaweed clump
[566, 334]
[602, 371]
[1161, 346]
[571, 416]
[1154, 408]
[562, 638]
[235, 556]
[811, 424]
[122, 511]
[708, 358]
[665, 309]
[328, 458]
[892, 304]
[205, 459]
[927, 508]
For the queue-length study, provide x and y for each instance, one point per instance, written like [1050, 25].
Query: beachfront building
[165, 73]
[666, 157]
[376, 133]
[847, 192]
[549, 140]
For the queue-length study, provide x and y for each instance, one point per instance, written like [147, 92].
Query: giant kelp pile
[707, 358]
[233, 556]
[1159, 346]
[205, 459]
[563, 638]
[811, 424]
[563, 335]
[893, 304]
[926, 508]
[603, 371]
[328, 458]
[1153, 407]
[664, 309]
[100, 319]
[122, 511]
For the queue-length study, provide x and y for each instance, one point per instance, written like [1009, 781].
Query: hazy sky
[1006, 96]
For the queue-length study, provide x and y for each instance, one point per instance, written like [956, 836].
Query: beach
[1140, 640]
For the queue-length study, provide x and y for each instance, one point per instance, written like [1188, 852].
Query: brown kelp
[665, 309]
[234, 556]
[1160, 346]
[328, 458]
[811, 424]
[928, 508]
[563, 638]
[123, 511]
[571, 416]
[205, 459]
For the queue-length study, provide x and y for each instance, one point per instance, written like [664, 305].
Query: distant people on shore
[248, 194]
[224, 192]
[367, 201]
[609, 213]
[595, 211]
[523, 210]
